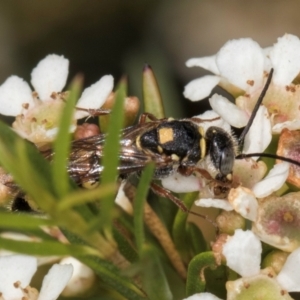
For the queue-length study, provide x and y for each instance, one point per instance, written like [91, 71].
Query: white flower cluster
[241, 67]
[243, 255]
[38, 113]
[16, 274]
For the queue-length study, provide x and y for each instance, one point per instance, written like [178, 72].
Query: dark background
[118, 36]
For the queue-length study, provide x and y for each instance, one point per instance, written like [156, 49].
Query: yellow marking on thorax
[160, 149]
[165, 135]
[175, 157]
[202, 143]
[138, 142]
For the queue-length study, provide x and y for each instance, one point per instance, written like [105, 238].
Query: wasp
[172, 145]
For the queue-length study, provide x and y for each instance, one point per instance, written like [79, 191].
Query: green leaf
[138, 205]
[21, 158]
[166, 210]
[179, 227]
[46, 248]
[196, 239]
[176, 283]
[151, 95]
[63, 139]
[111, 155]
[79, 197]
[216, 280]
[195, 282]
[125, 246]
[22, 221]
[153, 277]
[110, 274]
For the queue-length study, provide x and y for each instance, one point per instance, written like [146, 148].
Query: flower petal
[243, 253]
[247, 172]
[202, 296]
[123, 201]
[181, 184]
[13, 269]
[82, 280]
[211, 202]
[95, 95]
[277, 221]
[285, 57]
[267, 62]
[260, 286]
[241, 62]
[259, 135]
[244, 202]
[209, 115]
[200, 88]
[14, 92]
[289, 276]
[207, 63]
[50, 75]
[55, 281]
[232, 114]
[273, 181]
[291, 125]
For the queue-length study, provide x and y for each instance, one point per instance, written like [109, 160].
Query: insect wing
[86, 154]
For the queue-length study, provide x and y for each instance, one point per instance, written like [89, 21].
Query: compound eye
[226, 161]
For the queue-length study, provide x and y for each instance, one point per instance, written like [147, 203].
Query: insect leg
[95, 112]
[144, 116]
[187, 171]
[162, 192]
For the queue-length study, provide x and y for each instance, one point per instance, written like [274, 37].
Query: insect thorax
[179, 140]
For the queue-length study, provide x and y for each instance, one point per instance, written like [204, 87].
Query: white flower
[239, 62]
[243, 200]
[273, 181]
[289, 275]
[202, 296]
[240, 66]
[16, 272]
[37, 114]
[82, 280]
[243, 254]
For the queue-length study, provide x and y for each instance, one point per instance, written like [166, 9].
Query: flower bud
[86, 130]
[229, 221]
[275, 259]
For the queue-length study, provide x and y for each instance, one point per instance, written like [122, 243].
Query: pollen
[165, 135]
[288, 217]
[250, 82]
[17, 284]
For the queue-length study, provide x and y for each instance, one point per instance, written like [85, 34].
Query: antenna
[256, 107]
[269, 155]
